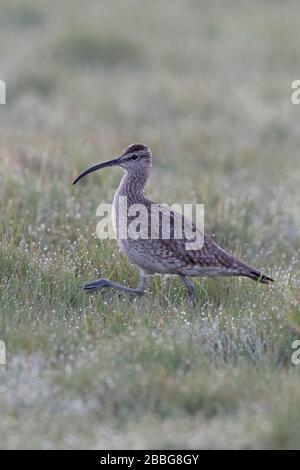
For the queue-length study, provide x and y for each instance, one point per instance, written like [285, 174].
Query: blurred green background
[207, 85]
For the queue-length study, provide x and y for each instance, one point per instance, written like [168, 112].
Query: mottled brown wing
[209, 254]
[176, 252]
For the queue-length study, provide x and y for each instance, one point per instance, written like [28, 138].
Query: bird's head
[133, 159]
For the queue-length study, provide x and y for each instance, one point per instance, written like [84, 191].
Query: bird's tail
[257, 276]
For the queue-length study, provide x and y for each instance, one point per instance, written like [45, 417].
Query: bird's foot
[191, 299]
[92, 286]
[100, 283]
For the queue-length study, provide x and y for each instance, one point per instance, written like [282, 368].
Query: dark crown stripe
[134, 148]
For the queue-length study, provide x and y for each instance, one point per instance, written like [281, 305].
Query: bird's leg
[190, 288]
[98, 284]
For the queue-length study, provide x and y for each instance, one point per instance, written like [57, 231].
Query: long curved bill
[96, 167]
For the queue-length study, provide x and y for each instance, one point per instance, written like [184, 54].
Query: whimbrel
[160, 255]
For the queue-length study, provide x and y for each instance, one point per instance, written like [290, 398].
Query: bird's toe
[94, 285]
[89, 287]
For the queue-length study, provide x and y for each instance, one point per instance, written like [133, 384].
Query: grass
[86, 48]
[214, 105]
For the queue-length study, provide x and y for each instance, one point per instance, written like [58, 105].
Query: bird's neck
[130, 191]
[133, 184]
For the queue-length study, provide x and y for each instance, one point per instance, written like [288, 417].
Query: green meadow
[207, 85]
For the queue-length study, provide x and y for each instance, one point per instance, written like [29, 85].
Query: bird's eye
[134, 157]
